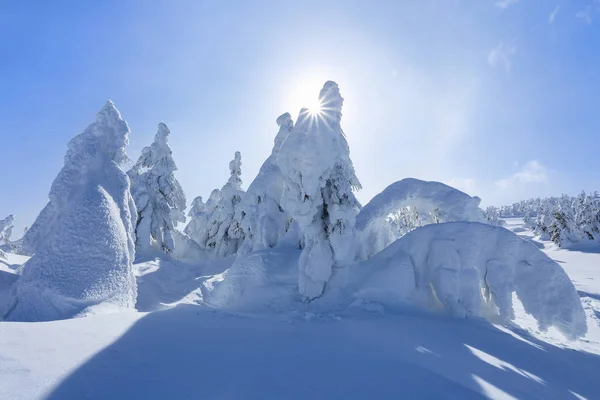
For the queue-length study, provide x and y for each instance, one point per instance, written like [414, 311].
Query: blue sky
[498, 98]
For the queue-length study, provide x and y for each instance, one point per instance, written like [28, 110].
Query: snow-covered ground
[190, 350]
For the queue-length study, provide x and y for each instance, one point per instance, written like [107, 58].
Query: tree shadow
[7, 279]
[192, 352]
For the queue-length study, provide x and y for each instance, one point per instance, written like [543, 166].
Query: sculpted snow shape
[84, 263]
[471, 270]
[428, 198]
[318, 191]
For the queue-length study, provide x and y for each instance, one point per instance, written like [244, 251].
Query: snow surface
[428, 198]
[194, 350]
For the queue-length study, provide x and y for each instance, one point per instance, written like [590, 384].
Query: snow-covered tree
[218, 228]
[84, 262]
[158, 195]
[198, 229]
[319, 181]
[6, 228]
[263, 219]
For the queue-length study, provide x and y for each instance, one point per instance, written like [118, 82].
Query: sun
[314, 107]
[304, 94]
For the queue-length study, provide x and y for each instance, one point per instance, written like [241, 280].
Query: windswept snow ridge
[430, 199]
[471, 270]
[84, 262]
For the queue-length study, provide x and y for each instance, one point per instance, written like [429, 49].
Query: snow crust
[430, 199]
[83, 263]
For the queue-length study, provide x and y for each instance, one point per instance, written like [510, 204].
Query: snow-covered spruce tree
[318, 191]
[84, 263]
[263, 220]
[6, 228]
[224, 234]
[198, 229]
[158, 195]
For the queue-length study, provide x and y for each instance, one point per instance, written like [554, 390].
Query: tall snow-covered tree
[84, 260]
[263, 219]
[6, 228]
[224, 234]
[198, 229]
[158, 195]
[319, 181]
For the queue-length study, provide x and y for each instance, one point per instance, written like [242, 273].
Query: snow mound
[84, 263]
[428, 198]
[471, 270]
[262, 281]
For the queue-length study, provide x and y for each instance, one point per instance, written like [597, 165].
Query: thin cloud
[532, 172]
[501, 56]
[552, 15]
[587, 14]
[505, 3]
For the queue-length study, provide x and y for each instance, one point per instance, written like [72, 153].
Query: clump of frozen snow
[263, 219]
[471, 270]
[83, 261]
[319, 180]
[158, 196]
[428, 202]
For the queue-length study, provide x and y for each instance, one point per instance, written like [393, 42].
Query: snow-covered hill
[192, 350]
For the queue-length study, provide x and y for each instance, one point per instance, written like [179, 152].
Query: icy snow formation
[430, 199]
[263, 220]
[318, 191]
[84, 262]
[158, 196]
[471, 270]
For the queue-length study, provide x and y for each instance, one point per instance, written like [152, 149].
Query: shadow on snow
[192, 352]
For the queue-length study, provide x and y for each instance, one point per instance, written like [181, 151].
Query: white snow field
[194, 337]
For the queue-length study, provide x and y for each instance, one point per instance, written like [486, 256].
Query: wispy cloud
[552, 15]
[505, 3]
[501, 56]
[587, 14]
[532, 172]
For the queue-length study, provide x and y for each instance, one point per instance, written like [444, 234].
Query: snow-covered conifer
[84, 262]
[6, 228]
[158, 195]
[222, 234]
[319, 180]
[263, 220]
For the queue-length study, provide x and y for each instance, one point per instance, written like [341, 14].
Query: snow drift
[430, 199]
[84, 262]
[471, 270]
